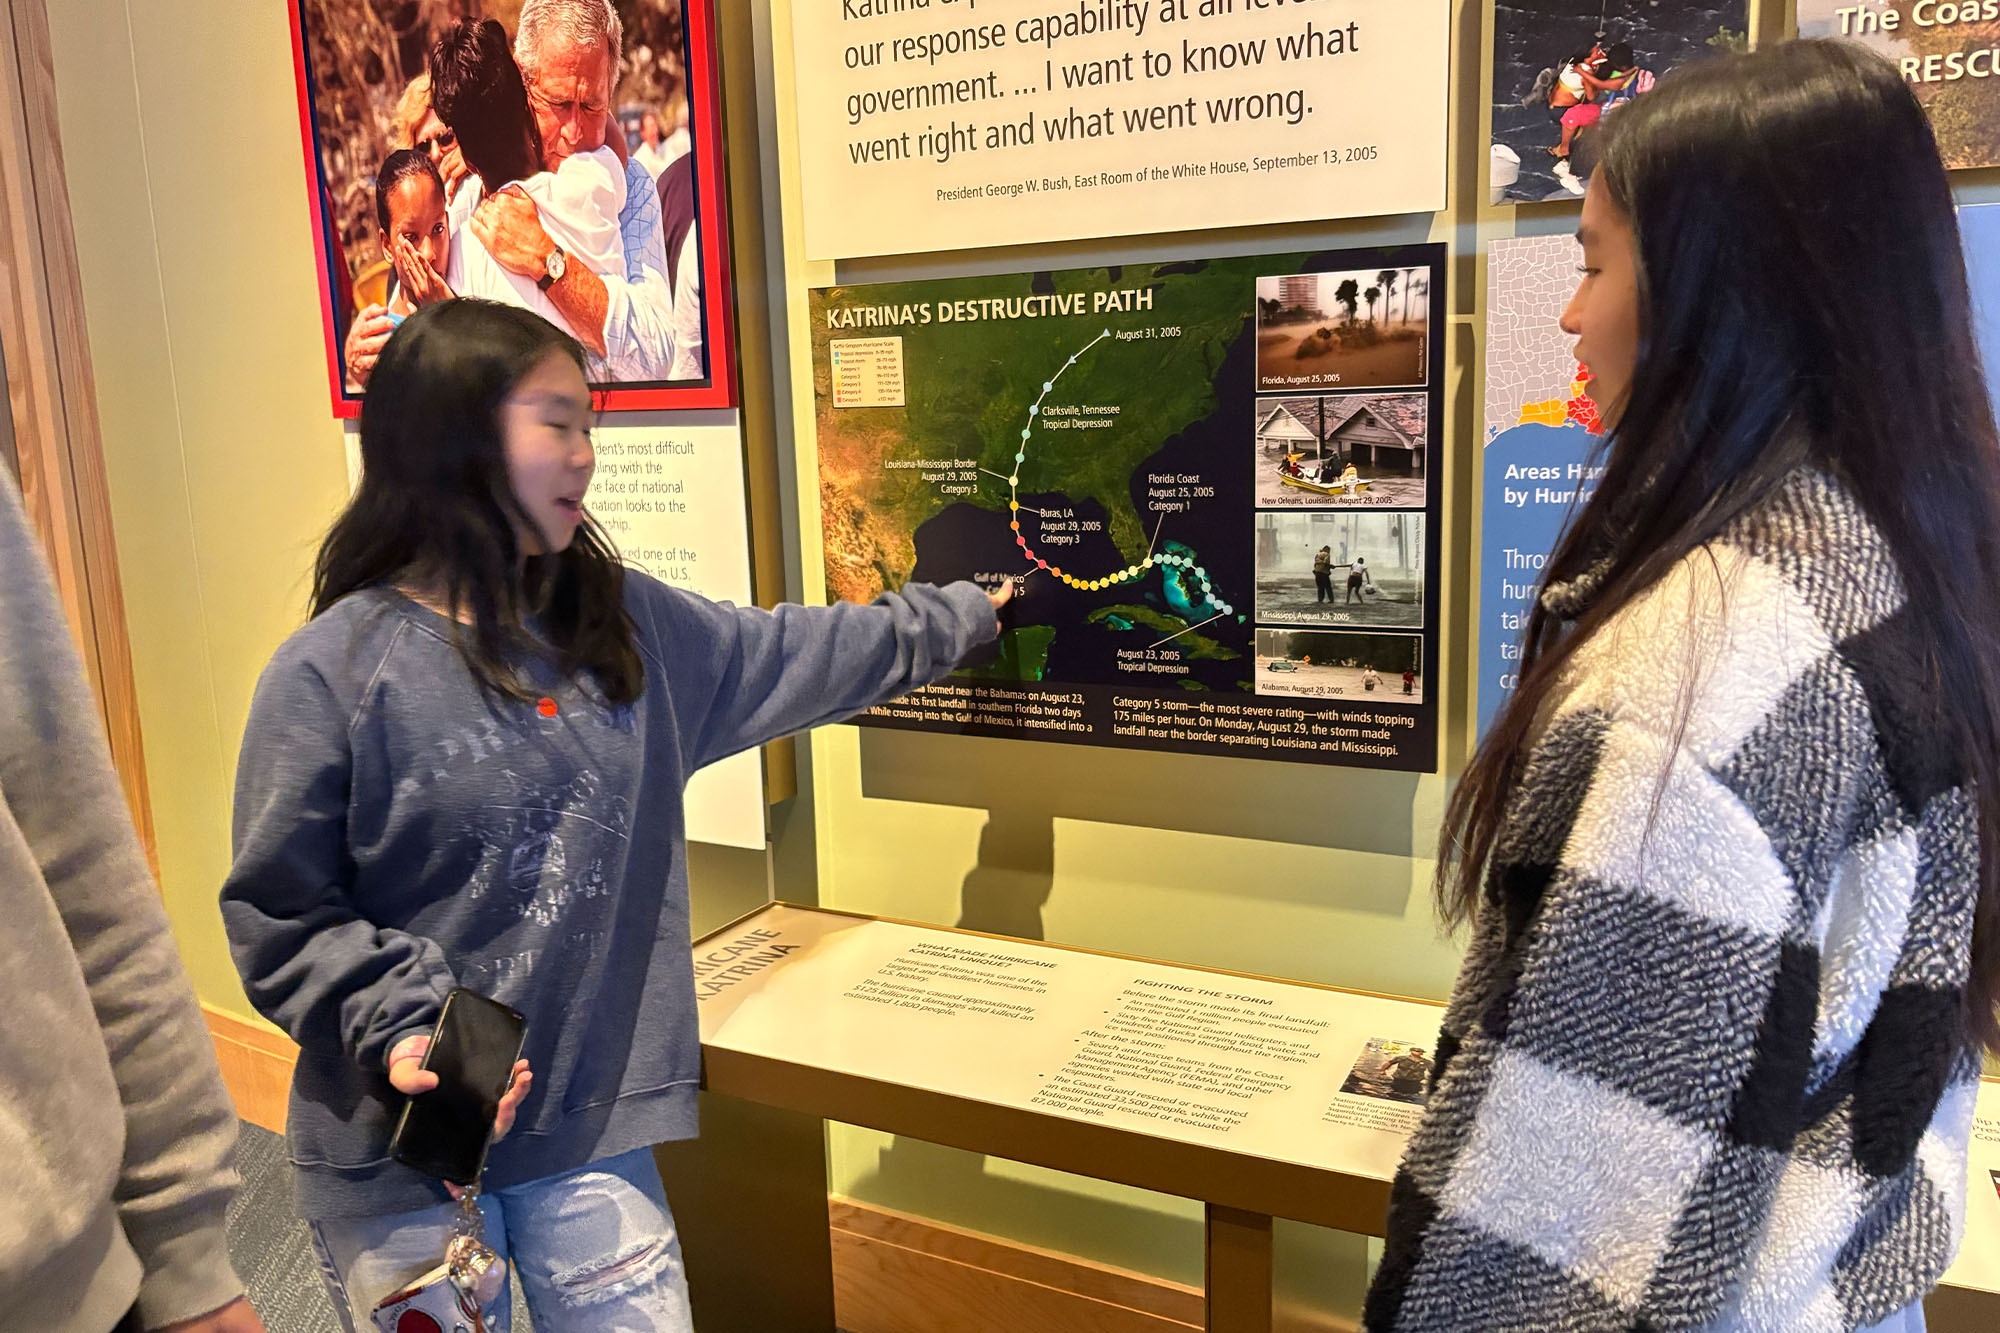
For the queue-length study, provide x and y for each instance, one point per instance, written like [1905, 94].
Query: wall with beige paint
[187, 189]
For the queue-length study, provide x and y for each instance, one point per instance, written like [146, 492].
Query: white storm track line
[1130, 572]
[1190, 629]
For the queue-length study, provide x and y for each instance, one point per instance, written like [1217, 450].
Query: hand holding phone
[465, 1082]
[408, 1074]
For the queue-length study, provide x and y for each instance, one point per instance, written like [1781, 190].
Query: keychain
[451, 1297]
[475, 1269]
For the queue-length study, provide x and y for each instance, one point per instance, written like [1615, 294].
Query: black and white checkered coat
[1702, 1069]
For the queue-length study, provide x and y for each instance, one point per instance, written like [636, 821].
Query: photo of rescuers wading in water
[1347, 569]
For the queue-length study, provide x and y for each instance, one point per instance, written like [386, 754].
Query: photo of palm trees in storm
[1366, 329]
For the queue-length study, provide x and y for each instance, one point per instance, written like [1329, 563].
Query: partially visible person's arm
[510, 227]
[310, 961]
[743, 676]
[588, 193]
[628, 322]
[56, 778]
[366, 337]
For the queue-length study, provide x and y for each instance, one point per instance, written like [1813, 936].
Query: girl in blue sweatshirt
[467, 770]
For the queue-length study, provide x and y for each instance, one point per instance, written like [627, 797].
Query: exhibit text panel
[1299, 1074]
[954, 124]
[1217, 481]
[672, 498]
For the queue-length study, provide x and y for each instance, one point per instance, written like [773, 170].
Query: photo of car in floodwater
[1329, 664]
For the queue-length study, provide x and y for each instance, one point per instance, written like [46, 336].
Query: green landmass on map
[969, 385]
[1193, 646]
[1024, 655]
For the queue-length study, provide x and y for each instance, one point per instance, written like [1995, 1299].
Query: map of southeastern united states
[968, 388]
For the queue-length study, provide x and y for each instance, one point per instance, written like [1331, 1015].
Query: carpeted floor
[270, 1247]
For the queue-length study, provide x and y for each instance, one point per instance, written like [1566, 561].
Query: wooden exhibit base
[755, 1184]
[895, 1273]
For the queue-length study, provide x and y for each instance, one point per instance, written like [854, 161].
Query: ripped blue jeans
[594, 1249]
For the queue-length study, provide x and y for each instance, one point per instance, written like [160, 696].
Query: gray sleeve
[310, 961]
[175, 1182]
[743, 676]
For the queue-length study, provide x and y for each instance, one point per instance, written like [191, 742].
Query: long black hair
[476, 89]
[436, 514]
[1802, 301]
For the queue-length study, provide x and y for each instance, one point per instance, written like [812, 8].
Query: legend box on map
[867, 372]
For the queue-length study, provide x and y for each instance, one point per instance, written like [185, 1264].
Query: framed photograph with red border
[560, 155]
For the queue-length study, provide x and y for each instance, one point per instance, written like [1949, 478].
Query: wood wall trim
[57, 441]
[759, 412]
[256, 1066]
[896, 1273]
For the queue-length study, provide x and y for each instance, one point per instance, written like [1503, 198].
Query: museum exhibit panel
[1096, 984]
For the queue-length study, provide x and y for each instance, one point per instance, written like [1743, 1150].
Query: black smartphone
[445, 1132]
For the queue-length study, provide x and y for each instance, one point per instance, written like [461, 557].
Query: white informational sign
[867, 372]
[953, 124]
[672, 497]
[1294, 1073]
[1319, 1078]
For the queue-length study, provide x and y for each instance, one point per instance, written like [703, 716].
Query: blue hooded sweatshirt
[399, 832]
